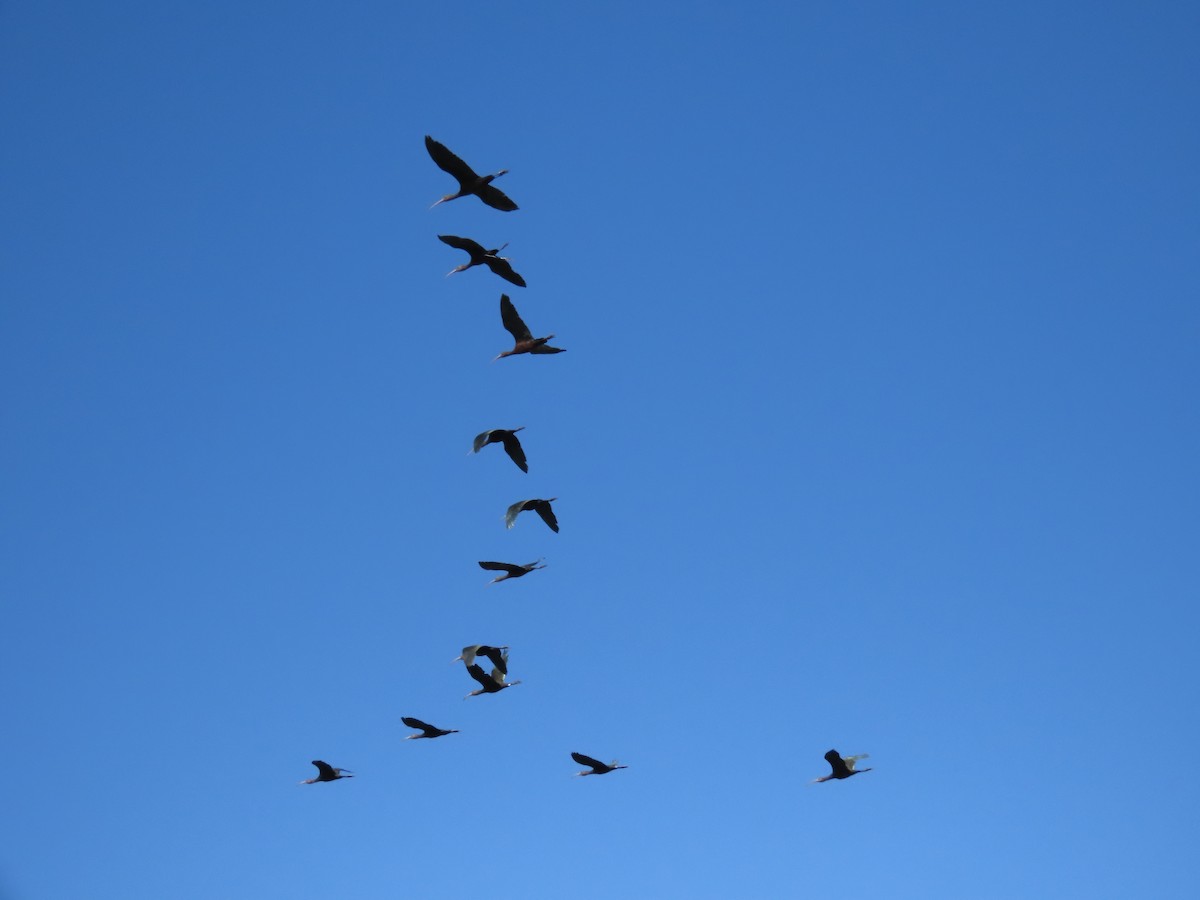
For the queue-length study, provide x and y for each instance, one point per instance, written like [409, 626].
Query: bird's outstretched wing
[416, 723]
[512, 446]
[448, 162]
[587, 761]
[837, 763]
[496, 198]
[512, 322]
[510, 517]
[482, 440]
[324, 769]
[851, 760]
[547, 514]
[504, 269]
[546, 348]
[499, 659]
[501, 567]
[479, 675]
[462, 243]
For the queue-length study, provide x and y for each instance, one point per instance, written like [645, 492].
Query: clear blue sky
[877, 430]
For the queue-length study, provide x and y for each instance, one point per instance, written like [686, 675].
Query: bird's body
[524, 341]
[541, 507]
[508, 438]
[510, 570]
[428, 731]
[481, 257]
[468, 182]
[843, 766]
[488, 684]
[497, 655]
[326, 772]
[598, 768]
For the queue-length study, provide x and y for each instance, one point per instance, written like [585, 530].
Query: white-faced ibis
[843, 766]
[541, 507]
[497, 655]
[598, 768]
[429, 731]
[512, 446]
[510, 570]
[326, 772]
[481, 257]
[468, 182]
[489, 684]
[525, 341]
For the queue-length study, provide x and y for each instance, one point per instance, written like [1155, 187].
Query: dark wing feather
[587, 761]
[495, 198]
[502, 567]
[448, 162]
[479, 675]
[324, 769]
[416, 723]
[512, 322]
[547, 514]
[462, 243]
[482, 440]
[546, 348]
[837, 763]
[496, 655]
[512, 446]
[504, 269]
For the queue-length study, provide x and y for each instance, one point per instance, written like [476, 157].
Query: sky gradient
[876, 430]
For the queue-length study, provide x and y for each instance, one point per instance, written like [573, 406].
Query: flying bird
[326, 772]
[479, 256]
[525, 341]
[510, 570]
[508, 438]
[468, 182]
[598, 768]
[498, 656]
[843, 767]
[541, 507]
[430, 731]
[489, 684]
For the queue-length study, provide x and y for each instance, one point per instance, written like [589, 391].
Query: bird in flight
[541, 507]
[510, 570]
[489, 684]
[468, 182]
[481, 257]
[326, 772]
[525, 342]
[598, 768]
[508, 438]
[843, 766]
[429, 731]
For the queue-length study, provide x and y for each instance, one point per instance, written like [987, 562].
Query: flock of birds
[481, 186]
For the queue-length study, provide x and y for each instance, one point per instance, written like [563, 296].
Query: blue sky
[876, 430]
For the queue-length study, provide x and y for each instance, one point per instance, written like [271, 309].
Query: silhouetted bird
[468, 182]
[525, 341]
[498, 264]
[510, 570]
[489, 684]
[497, 655]
[598, 768]
[430, 731]
[512, 446]
[541, 507]
[326, 772]
[843, 767]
